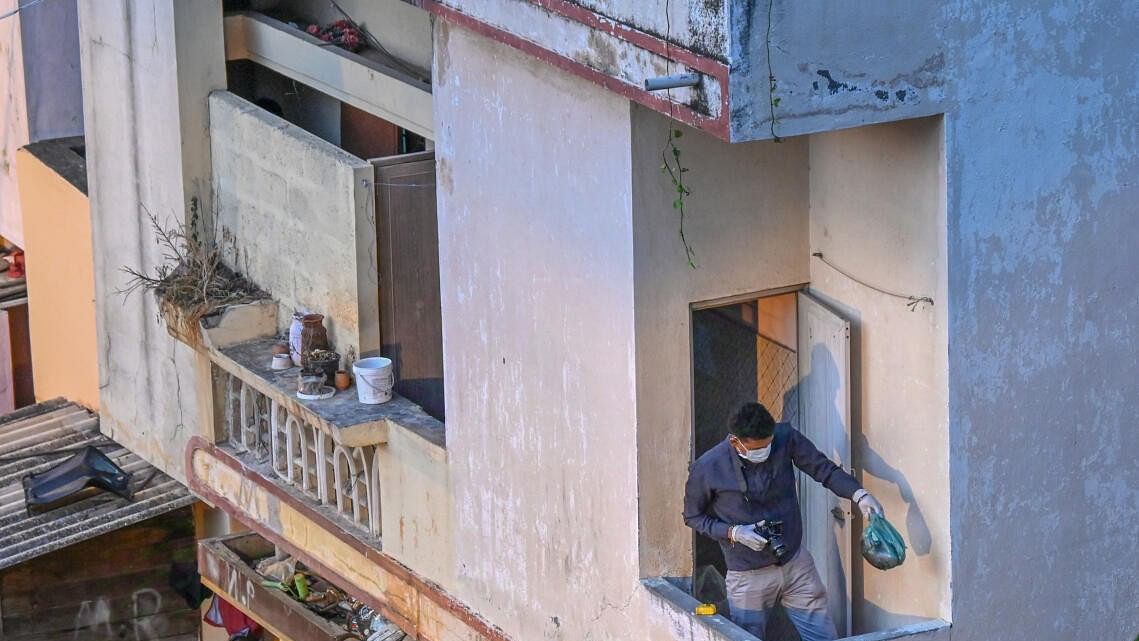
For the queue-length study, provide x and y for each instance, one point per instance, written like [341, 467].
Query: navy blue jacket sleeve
[808, 458]
[697, 501]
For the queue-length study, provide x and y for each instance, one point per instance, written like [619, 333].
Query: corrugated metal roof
[27, 439]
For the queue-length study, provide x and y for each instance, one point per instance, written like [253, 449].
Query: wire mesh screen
[778, 374]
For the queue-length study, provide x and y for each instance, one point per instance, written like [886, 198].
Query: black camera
[773, 532]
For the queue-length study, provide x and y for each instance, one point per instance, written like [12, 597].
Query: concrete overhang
[352, 78]
[767, 68]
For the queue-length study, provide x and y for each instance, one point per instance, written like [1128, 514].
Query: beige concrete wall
[416, 505]
[295, 214]
[536, 253]
[13, 122]
[136, 97]
[747, 223]
[61, 284]
[878, 212]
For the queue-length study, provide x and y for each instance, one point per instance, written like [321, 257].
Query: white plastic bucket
[374, 379]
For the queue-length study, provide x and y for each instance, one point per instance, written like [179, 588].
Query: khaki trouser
[795, 585]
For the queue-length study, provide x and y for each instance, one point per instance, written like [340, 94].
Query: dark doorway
[742, 352]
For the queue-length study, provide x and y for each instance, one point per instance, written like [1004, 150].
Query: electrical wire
[20, 8]
[373, 183]
[913, 303]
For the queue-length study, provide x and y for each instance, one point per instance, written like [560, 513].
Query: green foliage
[671, 165]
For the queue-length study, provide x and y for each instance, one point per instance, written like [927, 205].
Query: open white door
[824, 417]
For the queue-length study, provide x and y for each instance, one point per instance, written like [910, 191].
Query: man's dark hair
[752, 420]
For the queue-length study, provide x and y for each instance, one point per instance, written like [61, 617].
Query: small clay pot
[343, 380]
[280, 348]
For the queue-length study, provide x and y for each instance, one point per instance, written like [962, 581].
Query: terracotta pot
[343, 380]
[313, 336]
[280, 348]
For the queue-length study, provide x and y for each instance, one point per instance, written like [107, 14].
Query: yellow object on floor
[706, 609]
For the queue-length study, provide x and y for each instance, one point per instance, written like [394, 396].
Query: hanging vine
[772, 99]
[671, 155]
[670, 164]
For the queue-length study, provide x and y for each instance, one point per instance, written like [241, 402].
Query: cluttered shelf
[283, 595]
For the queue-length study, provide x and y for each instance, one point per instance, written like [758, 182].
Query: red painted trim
[422, 586]
[644, 40]
[718, 127]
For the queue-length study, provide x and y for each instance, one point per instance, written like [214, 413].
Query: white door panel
[824, 418]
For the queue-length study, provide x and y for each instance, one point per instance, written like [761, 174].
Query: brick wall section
[296, 214]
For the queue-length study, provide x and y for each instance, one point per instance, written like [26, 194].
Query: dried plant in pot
[191, 282]
[323, 361]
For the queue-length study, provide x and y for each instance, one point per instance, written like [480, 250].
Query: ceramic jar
[313, 336]
[295, 338]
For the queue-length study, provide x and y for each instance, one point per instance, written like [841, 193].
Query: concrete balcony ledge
[668, 596]
[342, 417]
[354, 78]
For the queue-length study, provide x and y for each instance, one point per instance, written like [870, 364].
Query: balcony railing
[343, 478]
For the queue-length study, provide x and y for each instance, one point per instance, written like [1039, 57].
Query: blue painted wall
[1043, 177]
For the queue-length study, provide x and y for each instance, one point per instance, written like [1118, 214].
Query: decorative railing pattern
[346, 479]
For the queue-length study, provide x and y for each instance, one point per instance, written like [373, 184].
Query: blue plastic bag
[882, 546]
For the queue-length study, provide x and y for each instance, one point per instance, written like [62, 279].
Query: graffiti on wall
[94, 620]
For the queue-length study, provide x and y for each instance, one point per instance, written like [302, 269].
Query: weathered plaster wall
[835, 64]
[13, 122]
[50, 36]
[295, 214]
[747, 223]
[61, 283]
[136, 90]
[416, 505]
[566, 36]
[699, 26]
[1042, 160]
[878, 212]
[537, 299]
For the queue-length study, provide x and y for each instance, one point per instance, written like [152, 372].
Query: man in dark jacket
[748, 480]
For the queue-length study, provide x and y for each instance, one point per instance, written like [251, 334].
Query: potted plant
[324, 361]
[191, 282]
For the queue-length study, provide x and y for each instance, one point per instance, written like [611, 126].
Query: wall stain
[834, 86]
[600, 55]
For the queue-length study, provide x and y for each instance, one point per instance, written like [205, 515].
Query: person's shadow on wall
[824, 376]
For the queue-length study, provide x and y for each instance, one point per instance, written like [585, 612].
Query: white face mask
[755, 456]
